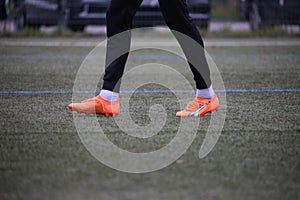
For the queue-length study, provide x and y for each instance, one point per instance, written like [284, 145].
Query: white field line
[161, 43]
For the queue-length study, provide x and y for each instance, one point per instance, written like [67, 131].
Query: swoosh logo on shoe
[196, 113]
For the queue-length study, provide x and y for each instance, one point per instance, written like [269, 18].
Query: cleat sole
[108, 114]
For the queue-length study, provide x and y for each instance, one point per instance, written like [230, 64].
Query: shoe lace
[90, 99]
[192, 105]
[195, 104]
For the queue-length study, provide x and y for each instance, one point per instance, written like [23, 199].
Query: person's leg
[177, 18]
[119, 18]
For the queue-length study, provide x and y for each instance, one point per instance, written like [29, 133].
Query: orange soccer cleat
[97, 105]
[199, 107]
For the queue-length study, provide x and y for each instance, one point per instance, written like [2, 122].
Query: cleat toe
[70, 106]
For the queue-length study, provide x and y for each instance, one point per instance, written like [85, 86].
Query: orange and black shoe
[199, 107]
[97, 105]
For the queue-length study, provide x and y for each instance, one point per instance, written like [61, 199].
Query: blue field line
[44, 57]
[40, 92]
[145, 57]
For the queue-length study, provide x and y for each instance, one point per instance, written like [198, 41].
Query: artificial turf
[256, 157]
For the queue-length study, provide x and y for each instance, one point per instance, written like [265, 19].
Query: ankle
[109, 95]
[207, 93]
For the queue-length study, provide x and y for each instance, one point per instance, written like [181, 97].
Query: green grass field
[256, 157]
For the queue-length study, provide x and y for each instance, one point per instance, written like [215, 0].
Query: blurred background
[215, 17]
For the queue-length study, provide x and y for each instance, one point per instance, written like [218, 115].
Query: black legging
[119, 18]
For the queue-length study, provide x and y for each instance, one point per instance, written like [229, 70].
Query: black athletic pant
[119, 18]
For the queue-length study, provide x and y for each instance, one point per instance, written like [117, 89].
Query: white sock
[206, 93]
[109, 95]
